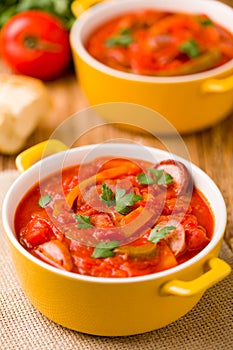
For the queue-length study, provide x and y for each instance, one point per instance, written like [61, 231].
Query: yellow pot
[111, 306]
[189, 103]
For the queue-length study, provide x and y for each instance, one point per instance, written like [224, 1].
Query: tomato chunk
[36, 232]
[196, 238]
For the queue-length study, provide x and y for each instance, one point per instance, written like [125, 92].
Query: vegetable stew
[115, 217]
[157, 43]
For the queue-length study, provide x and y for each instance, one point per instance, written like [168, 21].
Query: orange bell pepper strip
[138, 221]
[131, 216]
[174, 23]
[111, 173]
[116, 162]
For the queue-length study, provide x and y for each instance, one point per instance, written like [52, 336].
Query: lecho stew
[115, 217]
[156, 43]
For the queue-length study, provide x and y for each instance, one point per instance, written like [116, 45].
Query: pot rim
[220, 223]
[82, 25]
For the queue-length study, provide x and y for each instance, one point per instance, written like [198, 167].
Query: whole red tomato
[35, 43]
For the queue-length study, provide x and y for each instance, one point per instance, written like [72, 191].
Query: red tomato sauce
[157, 43]
[115, 218]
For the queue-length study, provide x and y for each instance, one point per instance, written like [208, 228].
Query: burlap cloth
[208, 326]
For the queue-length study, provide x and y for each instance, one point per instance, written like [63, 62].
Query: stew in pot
[158, 43]
[115, 217]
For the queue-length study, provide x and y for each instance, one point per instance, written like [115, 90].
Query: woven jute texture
[208, 326]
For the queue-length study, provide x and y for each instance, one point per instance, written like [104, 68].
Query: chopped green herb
[190, 48]
[121, 199]
[123, 39]
[145, 179]
[107, 196]
[161, 178]
[125, 31]
[44, 200]
[157, 234]
[205, 21]
[124, 200]
[105, 249]
[83, 221]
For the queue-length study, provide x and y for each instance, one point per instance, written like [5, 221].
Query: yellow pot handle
[218, 85]
[31, 155]
[79, 6]
[218, 269]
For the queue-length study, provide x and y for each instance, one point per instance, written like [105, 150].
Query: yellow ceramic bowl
[190, 102]
[111, 306]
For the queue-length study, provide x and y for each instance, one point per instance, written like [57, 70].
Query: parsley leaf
[83, 221]
[107, 196]
[205, 21]
[123, 39]
[124, 200]
[145, 179]
[157, 234]
[104, 249]
[44, 200]
[125, 31]
[161, 178]
[190, 48]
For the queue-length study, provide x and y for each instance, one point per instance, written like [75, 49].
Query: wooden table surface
[211, 149]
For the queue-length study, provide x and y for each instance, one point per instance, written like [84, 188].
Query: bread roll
[23, 102]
